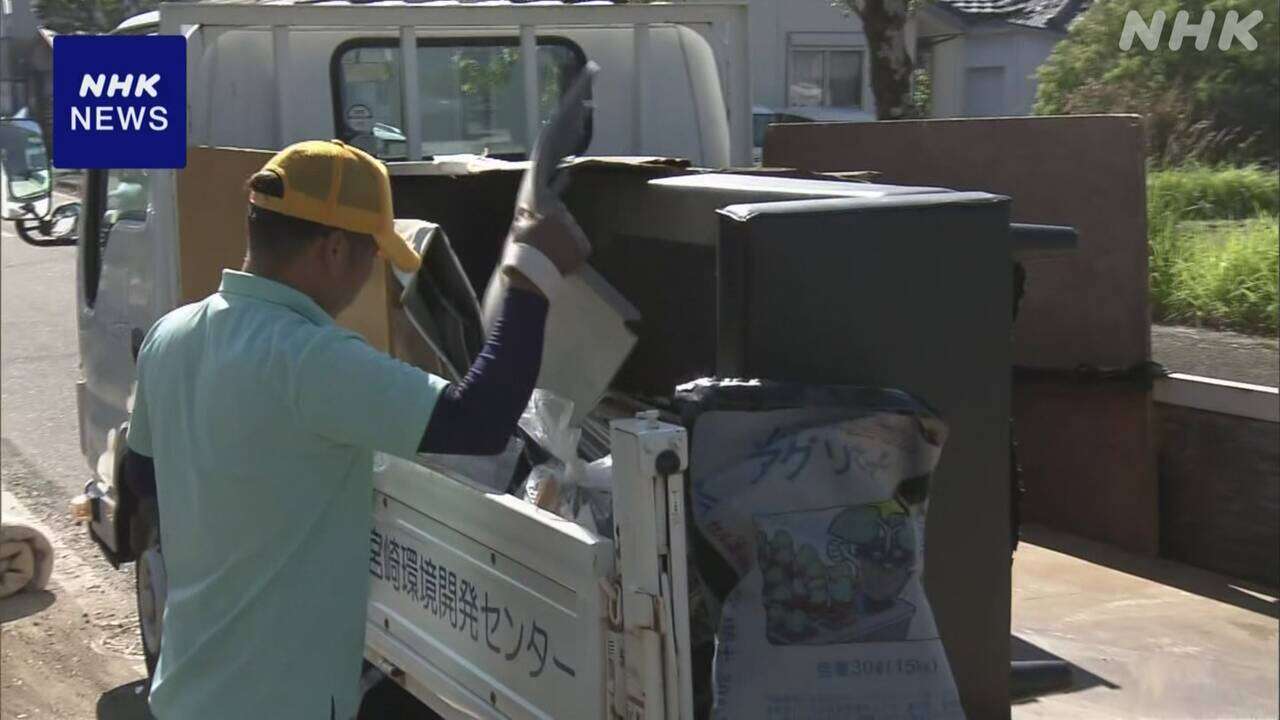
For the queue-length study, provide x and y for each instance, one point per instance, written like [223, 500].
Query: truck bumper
[97, 508]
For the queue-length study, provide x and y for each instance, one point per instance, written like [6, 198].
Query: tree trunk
[884, 22]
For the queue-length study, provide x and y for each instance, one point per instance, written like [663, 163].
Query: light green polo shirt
[262, 416]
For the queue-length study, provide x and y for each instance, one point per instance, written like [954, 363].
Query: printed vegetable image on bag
[813, 500]
[842, 583]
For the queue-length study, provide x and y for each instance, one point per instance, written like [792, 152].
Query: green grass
[1212, 193]
[1214, 241]
[1219, 274]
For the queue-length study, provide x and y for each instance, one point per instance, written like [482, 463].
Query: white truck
[544, 610]
[482, 605]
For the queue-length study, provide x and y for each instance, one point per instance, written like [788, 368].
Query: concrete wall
[1086, 451]
[1220, 492]
[1219, 460]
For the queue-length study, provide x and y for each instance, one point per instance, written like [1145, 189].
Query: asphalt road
[65, 646]
[38, 361]
[1217, 354]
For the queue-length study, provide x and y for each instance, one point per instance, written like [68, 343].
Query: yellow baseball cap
[334, 184]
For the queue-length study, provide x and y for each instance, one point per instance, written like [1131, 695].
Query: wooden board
[1088, 308]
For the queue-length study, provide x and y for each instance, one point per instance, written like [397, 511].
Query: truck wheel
[150, 583]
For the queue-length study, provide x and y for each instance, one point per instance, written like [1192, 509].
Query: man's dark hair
[275, 237]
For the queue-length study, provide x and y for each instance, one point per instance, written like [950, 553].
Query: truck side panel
[511, 613]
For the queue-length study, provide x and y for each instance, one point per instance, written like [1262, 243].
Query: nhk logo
[1234, 29]
[100, 117]
[119, 101]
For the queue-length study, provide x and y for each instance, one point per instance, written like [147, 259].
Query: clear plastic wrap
[565, 484]
[494, 472]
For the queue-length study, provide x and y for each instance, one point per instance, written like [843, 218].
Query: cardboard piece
[212, 202]
[438, 300]
[588, 338]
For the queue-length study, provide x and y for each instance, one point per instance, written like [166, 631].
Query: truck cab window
[113, 197]
[470, 94]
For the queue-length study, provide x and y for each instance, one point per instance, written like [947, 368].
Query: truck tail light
[81, 508]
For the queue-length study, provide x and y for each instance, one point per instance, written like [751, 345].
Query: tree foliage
[1212, 105]
[89, 16]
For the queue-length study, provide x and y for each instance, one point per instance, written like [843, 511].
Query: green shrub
[1214, 242]
[1211, 106]
[1208, 193]
[1217, 273]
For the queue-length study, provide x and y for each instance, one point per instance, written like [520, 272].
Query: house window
[822, 77]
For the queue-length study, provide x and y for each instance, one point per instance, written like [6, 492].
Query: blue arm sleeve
[478, 415]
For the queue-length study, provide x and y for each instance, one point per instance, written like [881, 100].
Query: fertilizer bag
[810, 502]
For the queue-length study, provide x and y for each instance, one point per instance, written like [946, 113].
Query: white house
[810, 59]
[982, 54]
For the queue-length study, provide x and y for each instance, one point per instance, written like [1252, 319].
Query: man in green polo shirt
[256, 416]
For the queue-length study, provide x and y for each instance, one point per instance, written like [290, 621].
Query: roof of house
[1047, 14]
